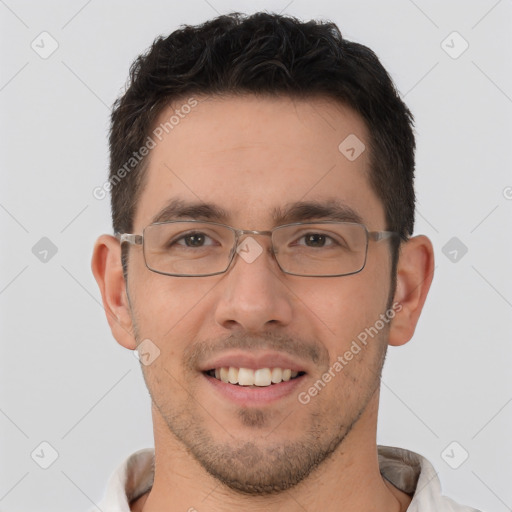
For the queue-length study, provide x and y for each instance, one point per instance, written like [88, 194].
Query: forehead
[251, 156]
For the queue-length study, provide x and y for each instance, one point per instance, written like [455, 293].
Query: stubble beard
[249, 468]
[262, 467]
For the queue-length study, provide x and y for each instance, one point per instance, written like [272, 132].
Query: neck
[348, 480]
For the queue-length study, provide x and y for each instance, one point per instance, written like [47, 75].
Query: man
[262, 199]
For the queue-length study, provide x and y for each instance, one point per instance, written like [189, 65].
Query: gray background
[66, 382]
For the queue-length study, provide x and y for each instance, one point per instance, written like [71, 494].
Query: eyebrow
[300, 211]
[179, 209]
[330, 209]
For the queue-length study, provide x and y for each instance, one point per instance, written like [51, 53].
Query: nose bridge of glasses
[241, 245]
[242, 234]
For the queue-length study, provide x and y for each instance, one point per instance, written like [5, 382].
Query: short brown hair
[265, 54]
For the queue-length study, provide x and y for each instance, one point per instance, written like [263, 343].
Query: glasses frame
[134, 239]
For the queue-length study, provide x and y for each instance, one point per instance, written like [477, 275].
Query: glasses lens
[310, 249]
[188, 248]
[321, 249]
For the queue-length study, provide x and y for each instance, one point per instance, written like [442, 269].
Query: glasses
[310, 249]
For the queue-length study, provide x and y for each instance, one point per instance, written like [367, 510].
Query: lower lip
[255, 396]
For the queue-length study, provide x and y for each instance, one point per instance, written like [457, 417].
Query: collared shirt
[406, 470]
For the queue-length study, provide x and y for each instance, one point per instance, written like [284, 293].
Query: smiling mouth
[262, 377]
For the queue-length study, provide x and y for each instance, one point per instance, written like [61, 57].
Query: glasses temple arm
[377, 236]
[129, 238]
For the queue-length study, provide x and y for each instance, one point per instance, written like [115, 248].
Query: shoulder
[132, 479]
[414, 474]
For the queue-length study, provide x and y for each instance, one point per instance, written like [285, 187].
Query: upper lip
[254, 361]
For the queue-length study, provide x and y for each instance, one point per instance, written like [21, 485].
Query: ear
[108, 272]
[414, 276]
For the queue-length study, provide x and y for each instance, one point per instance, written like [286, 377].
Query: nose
[253, 295]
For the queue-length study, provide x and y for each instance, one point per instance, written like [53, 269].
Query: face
[251, 158]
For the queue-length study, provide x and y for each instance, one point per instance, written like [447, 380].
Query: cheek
[167, 308]
[346, 305]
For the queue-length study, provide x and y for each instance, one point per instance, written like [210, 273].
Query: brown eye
[315, 240]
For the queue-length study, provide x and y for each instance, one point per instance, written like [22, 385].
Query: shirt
[406, 470]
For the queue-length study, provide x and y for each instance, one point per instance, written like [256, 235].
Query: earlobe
[108, 272]
[414, 276]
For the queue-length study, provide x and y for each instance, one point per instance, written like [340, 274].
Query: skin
[250, 155]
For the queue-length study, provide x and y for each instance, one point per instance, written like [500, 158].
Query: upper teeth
[249, 377]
